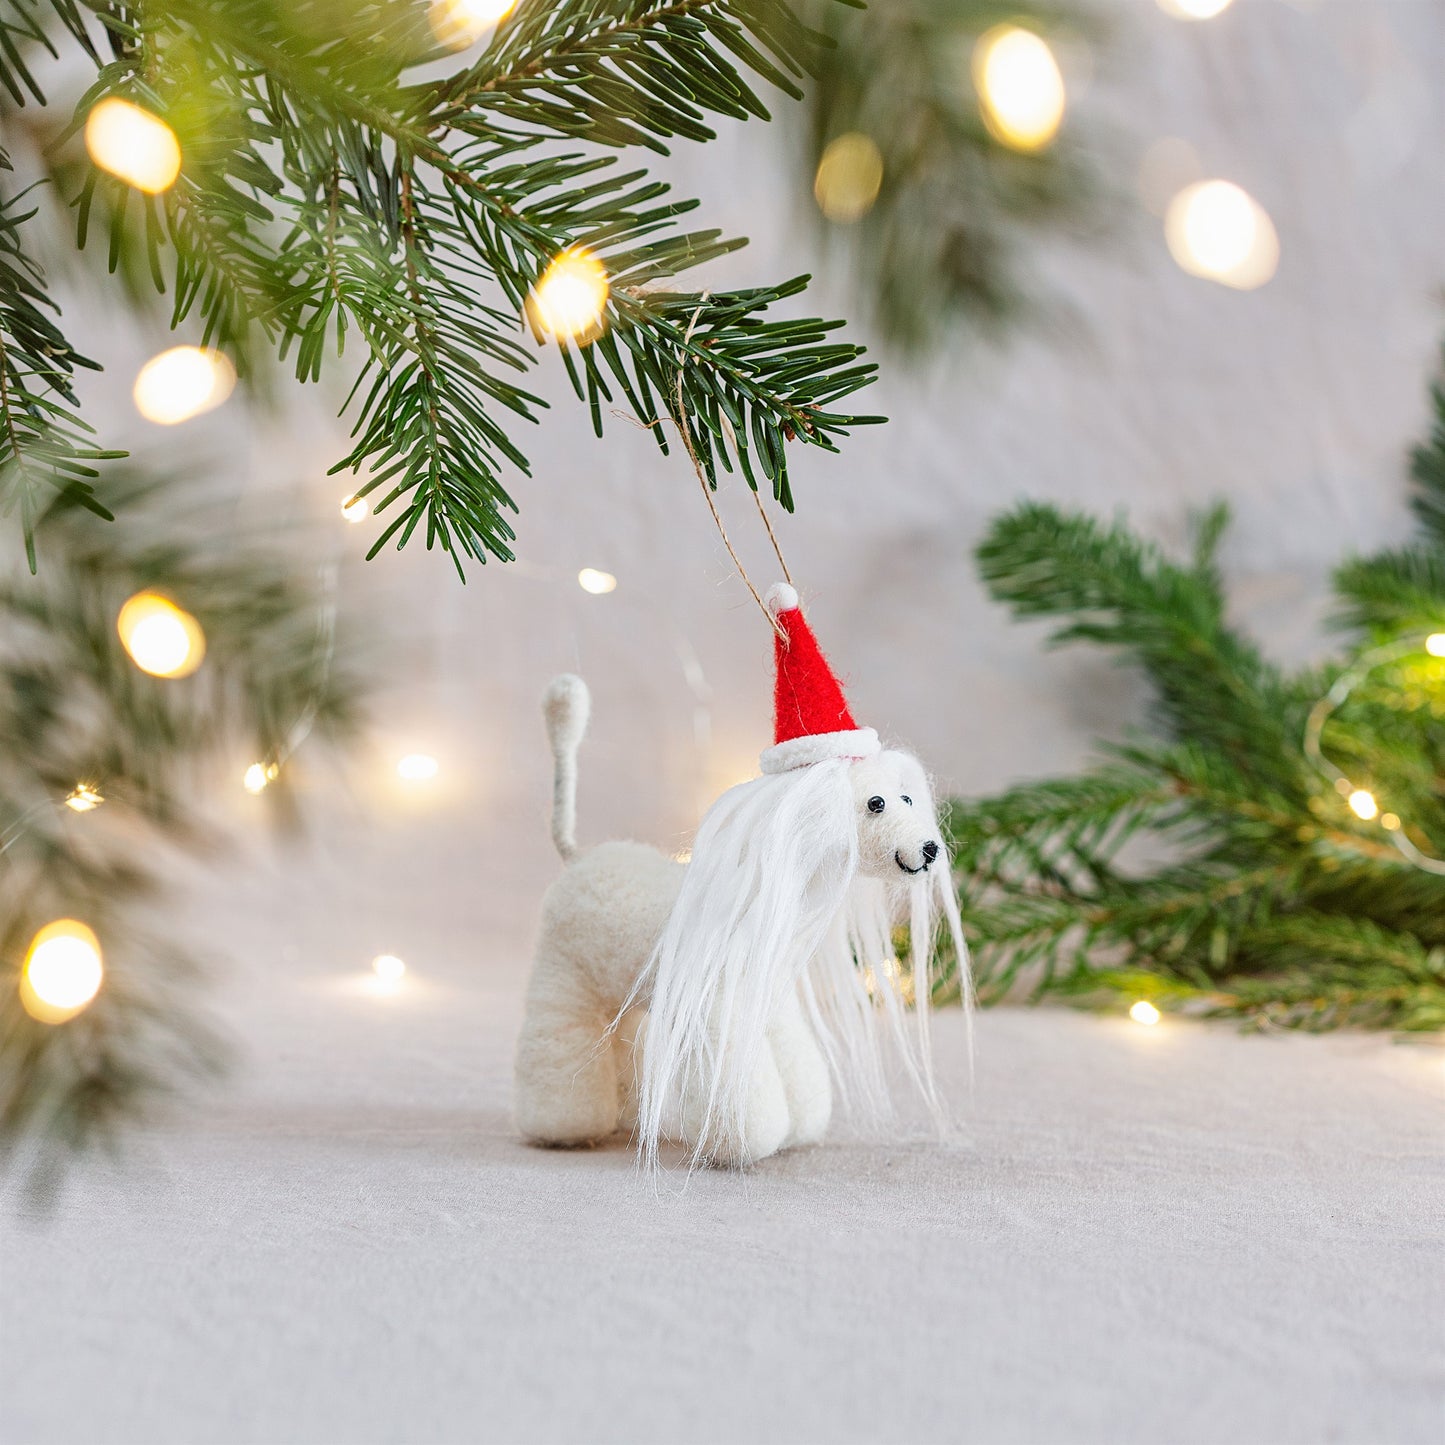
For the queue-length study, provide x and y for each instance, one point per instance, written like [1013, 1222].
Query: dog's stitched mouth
[922, 867]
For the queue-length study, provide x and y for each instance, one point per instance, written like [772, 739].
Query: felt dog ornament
[728, 1002]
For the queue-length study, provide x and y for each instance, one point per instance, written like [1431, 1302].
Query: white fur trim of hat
[855, 744]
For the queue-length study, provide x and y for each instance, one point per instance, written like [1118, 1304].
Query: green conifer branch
[1208, 865]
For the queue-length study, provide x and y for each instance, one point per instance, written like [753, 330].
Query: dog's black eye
[906, 799]
[876, 804]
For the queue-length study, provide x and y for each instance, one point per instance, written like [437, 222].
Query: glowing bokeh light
[62, 971]
[1220, 232]
[388, 968]
[1435, 644]
[1020, 87]
[181, 383]
[570, 301]
[589, 579]
[460, 23]
[1390, 822]
[1362, 804]
[131, 143]
[849, 177]
[1194, 9]
[417, 767]
[1144, 1012]
[254, 779]
[82, 798]
[354, 509]
[160, 637]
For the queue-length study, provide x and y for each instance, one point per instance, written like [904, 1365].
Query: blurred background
[1273, 351]
[1134, 386]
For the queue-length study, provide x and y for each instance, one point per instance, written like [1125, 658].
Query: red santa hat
[812, 719]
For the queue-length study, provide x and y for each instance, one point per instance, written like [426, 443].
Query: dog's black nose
[930, 851]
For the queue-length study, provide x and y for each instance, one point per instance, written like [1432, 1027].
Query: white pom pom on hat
[781, 598]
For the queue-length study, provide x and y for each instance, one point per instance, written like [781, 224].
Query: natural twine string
[680, 417]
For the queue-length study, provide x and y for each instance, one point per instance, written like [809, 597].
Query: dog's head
[898, 832]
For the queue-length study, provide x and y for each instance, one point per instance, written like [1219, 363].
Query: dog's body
[576, 1078]
[722, 1007]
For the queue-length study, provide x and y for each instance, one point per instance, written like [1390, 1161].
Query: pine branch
[1211, 685]
[73, 707]
[44, 444]
[1249, 887]
[943, 243]
[322, 197]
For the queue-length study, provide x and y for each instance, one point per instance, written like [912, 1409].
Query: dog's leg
[763, 1127]
[628, 1041]
[566, 1075]
[803, 1071]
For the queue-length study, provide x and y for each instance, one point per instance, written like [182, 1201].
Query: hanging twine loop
[680, 418]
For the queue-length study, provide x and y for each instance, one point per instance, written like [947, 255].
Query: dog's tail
[565, 705]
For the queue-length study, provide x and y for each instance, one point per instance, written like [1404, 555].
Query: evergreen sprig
[332, 187]
[946, 240]
[45, 446]
[75, 709]
[1207, 864]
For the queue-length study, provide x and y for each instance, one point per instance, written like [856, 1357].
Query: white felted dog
[723, 1003]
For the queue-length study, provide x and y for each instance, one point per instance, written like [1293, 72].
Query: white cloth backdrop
[1182, 1235]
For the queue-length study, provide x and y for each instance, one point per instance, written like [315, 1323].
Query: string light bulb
[82, 798]
[1194, 9]
[258, 775]
[1020, 87]
[1144, 1012]
[417, 768]
[388, 968]
[354, 509]
[460, 23]
[1362, 804]
[133, 145]
[161, 638]
[1435, 644]
[570, 300]
[849, 177]
[182, 383]
[589, 579]
[62, 971]
[1217, 230]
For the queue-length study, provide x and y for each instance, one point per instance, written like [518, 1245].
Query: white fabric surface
[1178, 1234]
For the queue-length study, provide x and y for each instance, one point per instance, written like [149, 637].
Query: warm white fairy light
[83, 798]
[570, 300]
[589, 579]
[62, 971]
[1216, 230]
[460, 23]
[256, 778]
[1361, 801]
[1194, 9]
[354, 509]
[161, 638]
[181, 383]
[1144, 1012]
[388, 968]
[1362, 804]
[1020, 87]
[417, 767]
[131, 143]
[849, 177]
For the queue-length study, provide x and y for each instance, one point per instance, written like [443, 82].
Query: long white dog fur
[725, 1003]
